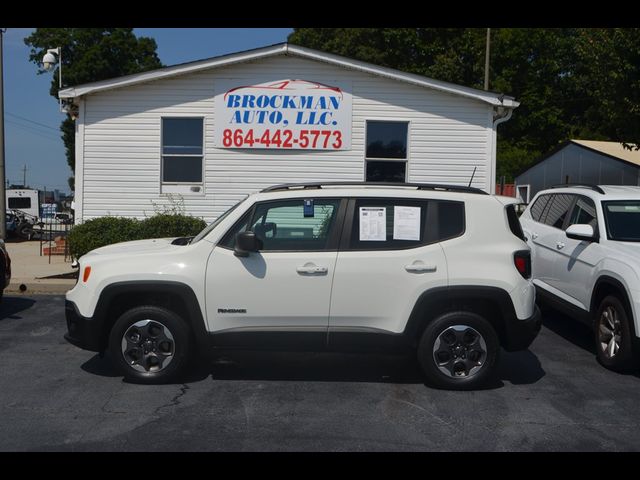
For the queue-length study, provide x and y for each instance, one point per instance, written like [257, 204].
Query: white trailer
[25, 201]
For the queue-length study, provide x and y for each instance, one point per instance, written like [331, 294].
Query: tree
[608, 74]
[571, 83]
[90, 55]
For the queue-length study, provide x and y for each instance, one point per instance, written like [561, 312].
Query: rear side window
[450, 219]
[514, 222]
[388, 224]
[393, 224]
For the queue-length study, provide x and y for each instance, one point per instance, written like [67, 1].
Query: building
[581, 161]
[214, 130]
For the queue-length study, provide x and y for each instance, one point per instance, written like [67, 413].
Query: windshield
[215, 223]
[622, 218]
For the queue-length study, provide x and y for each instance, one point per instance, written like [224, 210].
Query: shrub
[171, 225]
[102, 231]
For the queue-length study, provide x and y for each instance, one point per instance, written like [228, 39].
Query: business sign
[288, 114]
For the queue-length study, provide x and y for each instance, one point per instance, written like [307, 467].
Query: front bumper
[519, 334]
[82, 332]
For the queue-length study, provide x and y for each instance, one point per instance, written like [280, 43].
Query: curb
[32, 286]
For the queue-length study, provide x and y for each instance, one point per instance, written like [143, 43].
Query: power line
[32, 121]
[33, 131]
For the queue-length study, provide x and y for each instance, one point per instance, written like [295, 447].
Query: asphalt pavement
[552, 397]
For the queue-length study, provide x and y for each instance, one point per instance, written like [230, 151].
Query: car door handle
[420, 268]
[312, 269]
[534, 236]
[560, 245]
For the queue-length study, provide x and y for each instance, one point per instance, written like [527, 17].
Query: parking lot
[552, 397]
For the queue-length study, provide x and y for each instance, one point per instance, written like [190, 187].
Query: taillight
[85, 275]
[522, 261]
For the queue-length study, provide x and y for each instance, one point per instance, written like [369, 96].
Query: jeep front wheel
[458, 351]
[150, 344]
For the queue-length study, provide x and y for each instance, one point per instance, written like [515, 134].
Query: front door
[286, 286]
[547, 238]
[578, 258]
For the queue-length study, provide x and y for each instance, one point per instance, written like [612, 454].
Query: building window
[182, 150]
[386, 151]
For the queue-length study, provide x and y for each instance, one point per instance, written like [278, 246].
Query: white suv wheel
[460, 351]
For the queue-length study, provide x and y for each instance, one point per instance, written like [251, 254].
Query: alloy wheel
[460, 351]
[609, 332]
[148, 346]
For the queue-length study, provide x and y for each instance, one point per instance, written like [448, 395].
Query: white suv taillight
[522, 261]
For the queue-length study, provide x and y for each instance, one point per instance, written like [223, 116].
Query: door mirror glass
[581, 232]
[246, 242]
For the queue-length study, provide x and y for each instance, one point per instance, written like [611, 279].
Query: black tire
[459, 351]
[157, 350]
[25, 231]
[614, 336]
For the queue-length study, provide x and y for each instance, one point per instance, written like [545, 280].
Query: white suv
[586, 261]
[375, 267]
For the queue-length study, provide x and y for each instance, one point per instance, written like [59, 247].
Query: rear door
[389, 255]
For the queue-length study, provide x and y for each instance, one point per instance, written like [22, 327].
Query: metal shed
[581, 161]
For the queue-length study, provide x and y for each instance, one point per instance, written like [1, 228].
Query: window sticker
[308, 208]
[406, 223]
[373, 224]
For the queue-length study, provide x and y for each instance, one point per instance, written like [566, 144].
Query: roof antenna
[473, 175]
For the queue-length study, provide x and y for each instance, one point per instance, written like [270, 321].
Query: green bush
[168, 225]
[102, 231]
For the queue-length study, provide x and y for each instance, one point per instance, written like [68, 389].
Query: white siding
[449, 136]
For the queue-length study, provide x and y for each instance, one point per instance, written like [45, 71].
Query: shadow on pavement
[11, 306]
[570, 329]
[520, 368]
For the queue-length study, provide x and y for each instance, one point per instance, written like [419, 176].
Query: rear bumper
[519, 334]
[82, 332]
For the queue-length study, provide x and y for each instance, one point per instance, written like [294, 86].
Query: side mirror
[246, 242]
[581, 232]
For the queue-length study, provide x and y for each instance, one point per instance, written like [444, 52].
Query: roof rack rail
[418, 186]
[595, 188]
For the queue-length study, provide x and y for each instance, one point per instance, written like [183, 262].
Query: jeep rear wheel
[458, 351]
[613, 335]
[150, 345]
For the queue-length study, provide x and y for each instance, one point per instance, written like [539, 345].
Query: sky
[32, 116]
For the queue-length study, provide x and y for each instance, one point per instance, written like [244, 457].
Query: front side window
[557, 210]
[584, 213]
[295, 225]
[622, 218]
[182, 150]
[538, 207]
[386, 151]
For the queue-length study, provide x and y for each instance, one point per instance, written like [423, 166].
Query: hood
[137, 246]
[630, 249]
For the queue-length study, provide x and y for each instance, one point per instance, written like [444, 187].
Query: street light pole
[3, 197]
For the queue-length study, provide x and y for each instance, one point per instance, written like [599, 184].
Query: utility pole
[3, 196]
[486, 60]
[24, 177]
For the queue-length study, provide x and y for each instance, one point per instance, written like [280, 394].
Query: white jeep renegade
[339, 267]
[586, 262]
